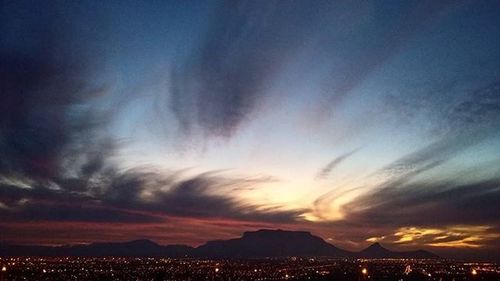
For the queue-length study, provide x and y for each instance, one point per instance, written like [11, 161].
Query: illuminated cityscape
[293, 268]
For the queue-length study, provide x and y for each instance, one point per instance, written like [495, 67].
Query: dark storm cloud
[246, 44]
[325, 171]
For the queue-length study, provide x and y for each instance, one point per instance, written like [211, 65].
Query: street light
[364, 271]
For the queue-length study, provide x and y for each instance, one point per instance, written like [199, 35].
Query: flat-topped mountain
[271, 243]
[255, 244]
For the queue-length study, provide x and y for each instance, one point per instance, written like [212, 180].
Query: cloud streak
[229, 73]
[325, 171]
[198, 196]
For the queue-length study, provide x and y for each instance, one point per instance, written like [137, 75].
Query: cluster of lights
[44, 269]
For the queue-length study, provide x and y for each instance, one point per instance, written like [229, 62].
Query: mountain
[376, 251]
[271, 243]
[255, 244]
[133, 248]
[136, 248]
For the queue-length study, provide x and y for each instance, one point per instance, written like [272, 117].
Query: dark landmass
[256, 244]
[376, 251]
[271, 243]
[136, 248]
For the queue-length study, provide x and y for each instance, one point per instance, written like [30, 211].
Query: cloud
[26, 200]
[47, 87]
[138, 196]
[427, 204]
[204, 196]
[56, 211]
[325, 171]
[230, 71]
[247, 45]
[413, 195]
[380, 43]
[468, 236]
[51, 134]
[57, 155]
[478, 111]
[466, 123]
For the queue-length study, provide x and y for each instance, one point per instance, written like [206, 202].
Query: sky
[188, 121]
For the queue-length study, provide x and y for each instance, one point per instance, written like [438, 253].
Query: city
[293, 268]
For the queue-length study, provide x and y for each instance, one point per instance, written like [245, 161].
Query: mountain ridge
[252, 244]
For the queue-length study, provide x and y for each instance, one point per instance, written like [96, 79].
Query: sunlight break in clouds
[453, 236]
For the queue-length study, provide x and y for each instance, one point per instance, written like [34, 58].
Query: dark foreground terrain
[114, 268]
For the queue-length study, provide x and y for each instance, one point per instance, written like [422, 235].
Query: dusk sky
[188, 121]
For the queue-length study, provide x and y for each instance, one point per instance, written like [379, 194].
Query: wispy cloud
[428, 203]
[325, 171]
[379, 46]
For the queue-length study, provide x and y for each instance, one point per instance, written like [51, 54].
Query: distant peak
[143, 241]
[375, 247]
[274, 232]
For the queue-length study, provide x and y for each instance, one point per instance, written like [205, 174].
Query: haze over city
[183, 122]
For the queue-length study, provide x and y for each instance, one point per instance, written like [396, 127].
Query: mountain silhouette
[255, 244]
[271, 243]
[136, 248]
[376, 251]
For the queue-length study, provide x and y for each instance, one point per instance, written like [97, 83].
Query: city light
[407, 270]
[299, 269]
